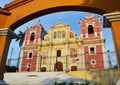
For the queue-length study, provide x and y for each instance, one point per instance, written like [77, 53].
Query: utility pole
[109, 59]
[11, 55]
[19, 58]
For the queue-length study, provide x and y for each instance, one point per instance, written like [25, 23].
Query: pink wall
[26, 60]
[98, 56]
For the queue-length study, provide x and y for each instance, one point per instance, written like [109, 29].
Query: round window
[93, 62]
[28, 65]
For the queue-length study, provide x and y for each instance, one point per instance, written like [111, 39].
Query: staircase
[38, 78]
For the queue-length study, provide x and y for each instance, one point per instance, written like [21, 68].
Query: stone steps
[38, 78]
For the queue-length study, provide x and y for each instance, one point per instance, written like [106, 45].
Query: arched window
[30, 55]
[90, 29]
[32, 37]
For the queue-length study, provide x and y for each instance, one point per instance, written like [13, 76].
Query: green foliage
[20, 38]
[115, 67]
[11, 68]
[87, 83]
[61, 83]
[71, 83]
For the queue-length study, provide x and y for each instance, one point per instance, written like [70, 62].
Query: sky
[3, 2]
[69, 17]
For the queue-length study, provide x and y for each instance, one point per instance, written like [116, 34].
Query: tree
[11, 68]
[20, 38]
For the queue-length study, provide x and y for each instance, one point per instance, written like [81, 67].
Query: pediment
[59, 24]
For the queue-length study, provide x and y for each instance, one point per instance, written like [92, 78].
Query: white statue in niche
[46, 38]
[44, 54]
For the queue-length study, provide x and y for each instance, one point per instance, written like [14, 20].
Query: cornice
[4, 12]
[16, 3]
[93, 41]
[4, 31]
[8, 32]
[115, 16]
[29, 47]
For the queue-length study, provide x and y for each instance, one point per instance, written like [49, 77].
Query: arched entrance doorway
[58, 66]
[43, 69]
[73, 68]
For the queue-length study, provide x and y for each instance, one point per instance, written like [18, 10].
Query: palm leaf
[20, 38]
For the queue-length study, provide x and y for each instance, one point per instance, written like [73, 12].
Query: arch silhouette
[21, 11]
[37, 14]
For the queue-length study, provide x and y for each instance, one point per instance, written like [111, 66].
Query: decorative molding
[4, 12]
[8, 32]
[4, 31]
[16, 3]
[113, 16]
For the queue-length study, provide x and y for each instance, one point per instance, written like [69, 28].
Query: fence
[81, 59]
[102, 76]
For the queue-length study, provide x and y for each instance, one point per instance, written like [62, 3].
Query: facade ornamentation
[61, 49]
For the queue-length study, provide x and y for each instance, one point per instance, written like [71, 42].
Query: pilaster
[67, 56]
[49, 57]
[5, 38]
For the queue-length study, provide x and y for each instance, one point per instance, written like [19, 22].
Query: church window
[30, 55]
[59, 34]
[92, 50]
[58, 53]
[28, 67]
[54, 35]
[90, 29]
[32, 37]
[93, 61]
[63, 34]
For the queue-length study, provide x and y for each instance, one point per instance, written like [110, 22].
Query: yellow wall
[105, 77]
[63, 44]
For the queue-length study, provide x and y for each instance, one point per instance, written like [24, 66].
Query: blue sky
[2, 2]
[72, 18]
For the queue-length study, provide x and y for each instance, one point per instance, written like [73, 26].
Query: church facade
[61, 49]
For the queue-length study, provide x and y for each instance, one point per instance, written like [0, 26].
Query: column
[95, 34]
[66, 56]
[49, 57]
[80, 54]
[114, 18]
[38, 57]
[4, 45]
